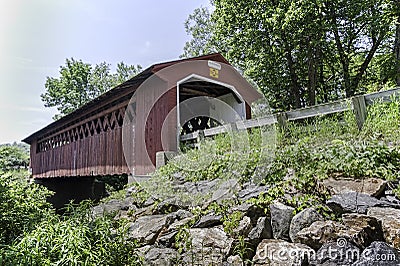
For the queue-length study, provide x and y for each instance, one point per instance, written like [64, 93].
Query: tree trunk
[375, 44]
[312, 73]
[295, 88]
[397, 48]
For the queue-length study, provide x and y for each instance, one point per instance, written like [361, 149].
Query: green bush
[22, 205]
[13, 157]
[77, 238]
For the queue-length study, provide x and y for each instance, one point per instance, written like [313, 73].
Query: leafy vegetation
[13, 157]
[22, 206]
[75, 239]
[305, 154]
[303, 52]
[31, 233]
[81, 82]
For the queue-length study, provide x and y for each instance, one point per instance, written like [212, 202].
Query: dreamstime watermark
[342, 251]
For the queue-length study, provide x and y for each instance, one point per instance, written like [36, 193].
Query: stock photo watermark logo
[342, 251]
[183, 98]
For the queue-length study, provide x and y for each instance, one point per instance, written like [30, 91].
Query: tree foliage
[22, 206]
[302, 52]
[81, 82]
[200, 26]
[13, 156]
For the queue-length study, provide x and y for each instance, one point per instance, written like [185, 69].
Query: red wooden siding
[90, 148]
[89, 141]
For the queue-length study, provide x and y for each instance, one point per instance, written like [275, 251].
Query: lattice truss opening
[82, 130]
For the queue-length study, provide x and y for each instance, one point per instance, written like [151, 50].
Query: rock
[379, 253]
[148, 202]
[262, 230]
[137, 212]
[146, 228]
[243, 228]
[154, 256]
[302, 220]
[281, 216]
[166, 237]
[250, 210]
[169, 205]
[183, 214]
[208, 221]
[370, 186]
[361, 229]
[202, 187]
[390, 219]
[392, 199]
[111, 207]
[354, 202]
[358, 228]
[226, 191]
[281, 253]
[234, 261]
[340, 252]
[209, 246]
[319, 233]
[252, 191]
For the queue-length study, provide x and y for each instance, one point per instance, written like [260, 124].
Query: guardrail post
[282, 121]
[360, 110]
[200, 138]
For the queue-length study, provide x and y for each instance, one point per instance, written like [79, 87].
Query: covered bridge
[89, 141]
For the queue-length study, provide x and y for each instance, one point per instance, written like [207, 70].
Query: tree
[301, 52]
[81, 82]
[358, 28]
[13, 157]
[200, 27]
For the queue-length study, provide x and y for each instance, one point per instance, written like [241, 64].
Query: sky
[36, 36]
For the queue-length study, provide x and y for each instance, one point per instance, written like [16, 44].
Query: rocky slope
[231, 227]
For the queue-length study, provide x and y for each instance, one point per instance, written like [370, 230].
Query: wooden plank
[322, 109]
[257, 122]
[190, 136]
[385, 96]
[216, 130]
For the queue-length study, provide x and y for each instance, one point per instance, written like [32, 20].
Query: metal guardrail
[357, 103]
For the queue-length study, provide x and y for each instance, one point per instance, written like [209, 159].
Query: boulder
[370, 186]
[234, 261]
[166, 237]
[111, 207]
[281, 216]
[340, 252]
[135, 212]
[227, 190]
[262, 230]
[252, 191]
[379, 253]
[181, 214]
[170, 205]
[319, 233]
[250, 210]
[201, 187]
[243, 228]
[209, 246]
[208, 220]
[154, 256]
[146, 228]
[355, 202]
[281, 253]
[361, 229]
[390, 219]
[302, 220]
